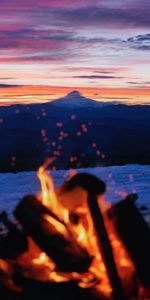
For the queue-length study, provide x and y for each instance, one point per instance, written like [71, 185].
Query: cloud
[56, 33]
[16, 36]
[34, 45]
[109, 17]
[139, 42]
[74, 36]
[47, 44]
[104, 72]
[2, 85]
[132, 82]
[139, 83]
[7, 4]
[98, 70]
[77, 13]
[117, 98]
[97, 77]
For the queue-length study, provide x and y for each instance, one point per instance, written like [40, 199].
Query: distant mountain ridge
[75, 99]
[77, 130]
[72, 99]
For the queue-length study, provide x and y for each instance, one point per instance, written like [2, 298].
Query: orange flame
[85, 235]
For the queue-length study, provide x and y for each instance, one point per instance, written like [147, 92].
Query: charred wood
[63, 250]
[135, 233]
[105, 248]
[32, 289]
[14, 242]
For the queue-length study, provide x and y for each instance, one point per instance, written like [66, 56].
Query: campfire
[70, 237]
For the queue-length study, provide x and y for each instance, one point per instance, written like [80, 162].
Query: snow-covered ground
[120, 181]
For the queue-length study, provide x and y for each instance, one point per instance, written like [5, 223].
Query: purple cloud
[140, 42]
[110, 17]
[3, 85]
[78, 35]
[97, 77]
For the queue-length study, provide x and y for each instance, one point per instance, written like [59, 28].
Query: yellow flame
[56, 277]
[58, 226]
[43, 259]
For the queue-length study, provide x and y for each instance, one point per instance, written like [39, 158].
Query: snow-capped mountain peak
[74, 99]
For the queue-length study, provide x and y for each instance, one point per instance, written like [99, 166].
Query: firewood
[14, 242]
[32, 289]
[63, 250]
[105, 248]
[135, 233]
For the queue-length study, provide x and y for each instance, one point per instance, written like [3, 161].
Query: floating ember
[73, 236]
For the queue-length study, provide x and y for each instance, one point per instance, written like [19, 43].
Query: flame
[42, 259]
[6, 272]
[59, 226]
[85, 235]
[47, 187]
[38, 265]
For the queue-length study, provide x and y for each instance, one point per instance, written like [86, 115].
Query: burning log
[105, 248]
[93, 188]
[33, 289]
[52, 236]
[135, 233]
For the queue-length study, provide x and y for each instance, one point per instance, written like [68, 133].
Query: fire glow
[71, 236]
[85, 235]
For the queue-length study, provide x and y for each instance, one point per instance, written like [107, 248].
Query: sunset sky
[50, 47]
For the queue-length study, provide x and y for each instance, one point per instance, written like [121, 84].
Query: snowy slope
[120, 181]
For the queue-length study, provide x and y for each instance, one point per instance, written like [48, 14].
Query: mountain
[75, 99]
[79, 132]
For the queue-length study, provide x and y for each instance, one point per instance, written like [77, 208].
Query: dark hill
[78, 131]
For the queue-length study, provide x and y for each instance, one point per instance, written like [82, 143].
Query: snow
[120, 181]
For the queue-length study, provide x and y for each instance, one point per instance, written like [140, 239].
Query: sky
[50, 47]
